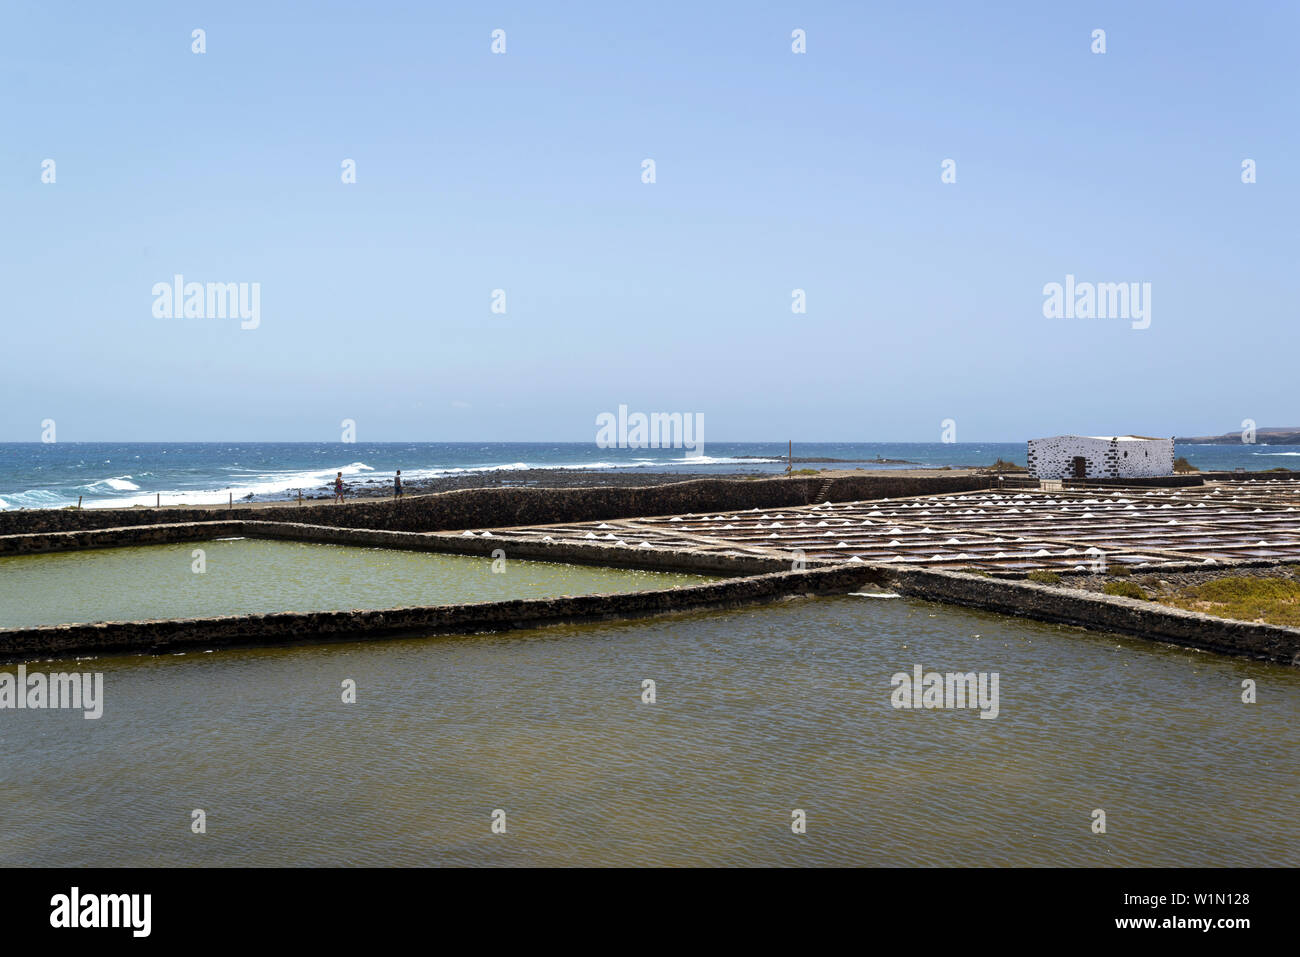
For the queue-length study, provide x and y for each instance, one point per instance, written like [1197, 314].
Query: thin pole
[78, 501]
[158, 501]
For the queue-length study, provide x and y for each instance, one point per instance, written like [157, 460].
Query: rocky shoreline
[525, 478]
[579, 478]
[797, 459]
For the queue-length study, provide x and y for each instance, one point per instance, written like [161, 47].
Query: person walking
[338, 487]
[397, 485]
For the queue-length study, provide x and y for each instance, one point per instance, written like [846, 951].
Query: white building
[1100, 456]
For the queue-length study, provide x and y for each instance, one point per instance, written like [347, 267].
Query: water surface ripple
[758, 712]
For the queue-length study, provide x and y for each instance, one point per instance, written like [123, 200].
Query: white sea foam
[269, 484]
[263, 484]
[427, 473]
[122, 483]
[35, 498]
[720, 460]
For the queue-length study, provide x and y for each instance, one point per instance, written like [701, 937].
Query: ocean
[119, 474]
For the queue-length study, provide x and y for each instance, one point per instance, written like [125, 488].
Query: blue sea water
[37, 475]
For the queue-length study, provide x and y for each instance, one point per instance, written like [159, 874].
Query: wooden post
[158, 501]
[232, 500]
[78, 501]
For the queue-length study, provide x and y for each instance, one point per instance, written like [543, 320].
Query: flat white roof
[1128, 438]
[1107, 438]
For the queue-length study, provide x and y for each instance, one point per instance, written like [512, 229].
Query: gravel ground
[1163, 584]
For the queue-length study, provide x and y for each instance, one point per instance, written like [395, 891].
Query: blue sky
[522, 172]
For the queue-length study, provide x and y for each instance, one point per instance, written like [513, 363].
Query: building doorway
[1080, 467]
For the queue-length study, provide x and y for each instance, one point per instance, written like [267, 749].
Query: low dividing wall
[1101, 612]
[504, 507]
[58, 641]
[618, 556]
[37, 542]
[769, 580]
[1149, 481]
[1023, 599]
[534, 549]
[1251, 476]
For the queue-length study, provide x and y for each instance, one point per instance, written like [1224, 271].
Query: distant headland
[1287, 436]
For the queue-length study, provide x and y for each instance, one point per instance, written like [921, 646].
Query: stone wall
[504, 507]
[533, 549]
[1102, 612]
[36, 542]
[1041, 602]
[1244, 476]
[1152, 481]
[57, 641]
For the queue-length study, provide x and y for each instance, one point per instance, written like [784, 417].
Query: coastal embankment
[500, 507]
